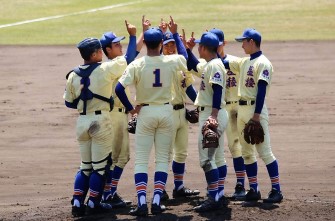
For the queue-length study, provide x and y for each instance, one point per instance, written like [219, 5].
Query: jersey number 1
[157, 74]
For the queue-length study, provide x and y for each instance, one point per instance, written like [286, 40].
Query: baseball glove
[192, 116]
[132, 124]
[253, 132]
[210, 135]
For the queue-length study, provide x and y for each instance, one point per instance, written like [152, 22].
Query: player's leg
[180, 146]
[265, 153]
[144, 139]
[101, 133]
[236, 152]
[81, 183]
[207, 163]
[163, 142]
[220, 156]
[248, 153]
[121, 156]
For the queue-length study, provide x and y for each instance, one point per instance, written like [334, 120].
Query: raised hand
[190, 42]
[163, 26]
[145, 23]
[130, 28]
[172, 26]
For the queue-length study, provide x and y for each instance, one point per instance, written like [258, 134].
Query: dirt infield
[39, 155]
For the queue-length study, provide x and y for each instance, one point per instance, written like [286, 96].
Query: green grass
[278, 20]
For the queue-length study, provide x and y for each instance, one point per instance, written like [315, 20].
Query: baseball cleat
[224, 201]
[157, 209]
[252, 195]
[116, 201]
[100, 208]
[239, 193]
[275, 196]
[165, 196]
[139, 211]
[78, 211]
[185, 192]
[208, 205]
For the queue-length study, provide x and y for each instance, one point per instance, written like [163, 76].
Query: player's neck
[153, 52]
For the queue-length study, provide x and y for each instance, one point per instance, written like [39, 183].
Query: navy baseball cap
[89, 44]
[219, 33]
[208, 39]
[153, 34]
[168, 37]
[250, 33]
[108, 38]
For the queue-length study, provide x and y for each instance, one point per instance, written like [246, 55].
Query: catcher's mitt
[253, 132]
[210, 136]
[132, 124]
[192, 116]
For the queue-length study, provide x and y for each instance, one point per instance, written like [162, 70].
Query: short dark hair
[152, 44]
[104, 49]
[257, 43]
[211, 49]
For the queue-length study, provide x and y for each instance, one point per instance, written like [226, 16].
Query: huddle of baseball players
[231, 93]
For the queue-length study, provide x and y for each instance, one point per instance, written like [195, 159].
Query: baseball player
[89, 90]
[181, 87]
[153, 76]
[211, 104]
[112, 48]
[231, 99]
[255, 80]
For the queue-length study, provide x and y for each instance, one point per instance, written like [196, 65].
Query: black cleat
[208, 205]
[239, 193]
[224, 201]
[252, 195]
[165, 196]
[139, 211]
[78, 211]
[275, 196]
[185, 192]
[116, 201]
[100, 208]
[157, 209]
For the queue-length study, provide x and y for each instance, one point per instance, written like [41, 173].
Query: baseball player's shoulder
[232, 58]
[119, 60]
[263, 61]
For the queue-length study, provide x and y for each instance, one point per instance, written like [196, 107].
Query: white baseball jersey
[232, 80]
[257, 69]
[153, 84]
[101, 83]
[181, 83]
[213, 72]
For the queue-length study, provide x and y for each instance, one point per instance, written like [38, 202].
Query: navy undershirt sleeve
[192, 61]
[191, 93]
[180, 46]
[260, 96]
[225, 63]
[120, 92]
[217, 95]
[131, 50]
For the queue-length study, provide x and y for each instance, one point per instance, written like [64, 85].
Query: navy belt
[231, 102]
[201, 108]
[178, 106]
[98, 112]
[122, 110]
[242, 102]
[153, 104]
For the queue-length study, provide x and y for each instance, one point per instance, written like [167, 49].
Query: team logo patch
[266, 74]
[217, 77]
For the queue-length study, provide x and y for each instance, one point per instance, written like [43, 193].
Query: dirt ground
[39, 156]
